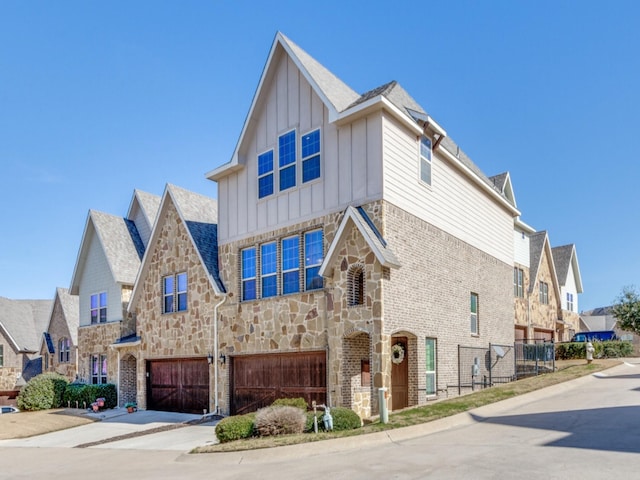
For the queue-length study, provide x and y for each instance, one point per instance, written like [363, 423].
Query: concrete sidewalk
[144, 429]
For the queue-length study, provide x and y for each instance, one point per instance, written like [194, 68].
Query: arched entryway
[128, 379]
[356, 373]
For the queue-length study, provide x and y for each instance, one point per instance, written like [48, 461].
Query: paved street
[588, 428]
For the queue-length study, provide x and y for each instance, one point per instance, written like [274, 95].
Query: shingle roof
[121, 243]
[71, 308]
[562, 259]
[149, 203]
[24, 321]
[536, 248]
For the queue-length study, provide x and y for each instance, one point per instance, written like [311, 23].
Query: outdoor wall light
[223, 359]
[210, 358]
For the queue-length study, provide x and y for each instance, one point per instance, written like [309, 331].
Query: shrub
[608, 349]
[343, 419]
[298, 402]
[42, 392]
[85, 394]
[280, 420]
[236, 427]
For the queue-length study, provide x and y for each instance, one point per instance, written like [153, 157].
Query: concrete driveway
[142, 430]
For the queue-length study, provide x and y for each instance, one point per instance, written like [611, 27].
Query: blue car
[601, 336]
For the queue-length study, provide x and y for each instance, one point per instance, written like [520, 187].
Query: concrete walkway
[144, 430]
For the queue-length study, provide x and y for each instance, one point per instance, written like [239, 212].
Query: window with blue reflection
[265, 174]
[290, 265]
[182, 292]
[287, 160]
[248, 269]
[313, 256]
[310, 144]
[269, 269]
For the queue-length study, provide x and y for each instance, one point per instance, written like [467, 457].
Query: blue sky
[99, 98]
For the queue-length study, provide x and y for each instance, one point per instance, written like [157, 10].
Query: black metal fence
[482, 367]
[534, 357]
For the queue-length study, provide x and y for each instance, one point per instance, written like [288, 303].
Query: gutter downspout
[215, 352]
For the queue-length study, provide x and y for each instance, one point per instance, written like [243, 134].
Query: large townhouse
[358, 246]
[108, 261]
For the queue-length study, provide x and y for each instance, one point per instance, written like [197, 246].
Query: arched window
[355, 285]
[64, 345]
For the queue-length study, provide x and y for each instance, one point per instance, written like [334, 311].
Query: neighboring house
[106, 268]
[358, 246]
[59, 345]
[603, 319]
[21, 325]
[568, 272]
[175, 301]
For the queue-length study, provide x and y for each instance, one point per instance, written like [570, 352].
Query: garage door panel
[258, 380]
[178, 385]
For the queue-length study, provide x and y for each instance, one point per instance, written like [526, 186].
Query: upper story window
[310, 156]
[269, 269]
[313, 256]
[290, 265]
[1, 355]
[544, 293]
[474, 314]
[99, 308]
[282, 265]
[570, 302]
[248, 274]
[265, 174]
[425, 160]
[174, 291]
[518, 282]
[64, 347]
[287, 160]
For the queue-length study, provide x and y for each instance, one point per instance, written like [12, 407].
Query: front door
[399, 373]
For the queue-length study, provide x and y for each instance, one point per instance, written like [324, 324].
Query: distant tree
[627, 310]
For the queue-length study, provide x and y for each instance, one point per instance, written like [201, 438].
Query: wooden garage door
[178, 385]
[257, 380]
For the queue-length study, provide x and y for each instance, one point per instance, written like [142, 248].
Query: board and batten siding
[351, 161]
[570, 287]
[452, 203]
[521, 247]
[96, 278]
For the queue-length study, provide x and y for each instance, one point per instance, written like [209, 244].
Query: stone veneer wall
[12, 365]
[58, 328]
[544, 316]
[95, 340]
[429, 296]
[520, 303]
[187, 334]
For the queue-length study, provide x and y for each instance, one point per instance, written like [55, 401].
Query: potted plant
[131, 407]
[100, 401]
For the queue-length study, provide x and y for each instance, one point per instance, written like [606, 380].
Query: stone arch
[128, 379]
[357, 382]
[356, 285]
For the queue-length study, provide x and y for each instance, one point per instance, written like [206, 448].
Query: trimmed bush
[343, 419]
[236, 427]
[280, 420]
[608, 349]
[42, 392]
[298, 402]
[85, 394]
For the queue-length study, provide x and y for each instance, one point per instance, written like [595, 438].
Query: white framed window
[425, 160]
[544, 293]
[265, 174]
[570, 302]
[287, 160]
[99, 308]
[518, 282]
[269, 269]
[430, 367]
[1, 355]
[290, 264]
[174, 293]
[474, 314]
[313, 257]
[64, 347]
[310, 147]
[98, 369]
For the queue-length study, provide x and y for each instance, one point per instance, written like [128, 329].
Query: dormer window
[287, 160]
[425, 160]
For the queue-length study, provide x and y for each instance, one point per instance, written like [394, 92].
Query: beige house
[59, 346]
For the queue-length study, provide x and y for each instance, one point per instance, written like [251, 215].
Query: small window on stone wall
[355, 284]
[365, 373]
